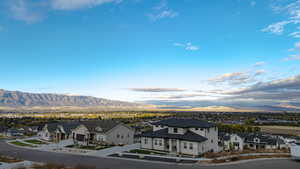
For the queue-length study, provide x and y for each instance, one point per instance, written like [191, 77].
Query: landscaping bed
[141, 151]
[239, 158]
[34, 141]
[159, 159]
[230, 153]
[5, 159]
[18, 143]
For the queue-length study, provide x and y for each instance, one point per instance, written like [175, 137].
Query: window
[201, 129]
[118, 135]
[122, 137]
[212, 141]
[175, 130]
[160, 142]
[145, 141]
[196, 128]
[184, 145]
[191, 146]
[128, 135]
[155, 142]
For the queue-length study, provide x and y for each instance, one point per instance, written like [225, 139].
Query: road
[109, 163]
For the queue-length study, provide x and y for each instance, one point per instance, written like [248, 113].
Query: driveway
[112, 163]
[114, 150]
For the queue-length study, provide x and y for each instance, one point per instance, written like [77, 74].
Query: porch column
[170, 145]
[178, 146]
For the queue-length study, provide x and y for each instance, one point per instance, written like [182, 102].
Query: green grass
[33, 141]
[18, 143]
[89, 147]
[140, 151]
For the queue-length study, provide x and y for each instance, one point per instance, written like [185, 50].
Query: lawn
[18, 143]
[140, 151]
[89, 147]
[34, 141]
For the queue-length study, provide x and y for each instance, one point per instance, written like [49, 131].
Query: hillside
[23, 99]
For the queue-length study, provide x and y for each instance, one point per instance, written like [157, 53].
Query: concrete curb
[243, 161]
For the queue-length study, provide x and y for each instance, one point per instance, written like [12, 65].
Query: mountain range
[22, 99]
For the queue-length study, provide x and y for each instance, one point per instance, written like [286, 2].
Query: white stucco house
[88, 132]
[240, 141]
[182, 136]
[103, 132]
[295, 151]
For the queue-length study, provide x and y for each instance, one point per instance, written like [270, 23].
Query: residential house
[102, 132]
[13, 132]
[295, 151]
[240, 141]
[182, 136]
[3, 131]
[262, 141]
[57, 131]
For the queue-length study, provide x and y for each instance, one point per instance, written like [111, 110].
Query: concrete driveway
[113, 150]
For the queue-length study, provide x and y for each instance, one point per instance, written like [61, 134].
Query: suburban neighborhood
[183, 140]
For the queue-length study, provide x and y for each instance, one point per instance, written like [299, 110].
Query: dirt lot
[281, 130]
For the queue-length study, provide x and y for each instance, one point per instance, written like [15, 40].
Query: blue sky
[152, 50]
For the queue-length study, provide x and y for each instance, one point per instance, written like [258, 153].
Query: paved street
[108, 163]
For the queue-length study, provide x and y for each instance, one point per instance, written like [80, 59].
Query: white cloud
[162, 11]
[187, 46]
[259, 64]
[277, 28]
[292, 57]
[293, 12]
[163, 14]
[295, 34]
[23, 10]
[260, 72]
[78, 4]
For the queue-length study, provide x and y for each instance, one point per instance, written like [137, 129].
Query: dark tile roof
[105, 125]
[185, 123]
[67, 126]
[265, 139]
[163, 133]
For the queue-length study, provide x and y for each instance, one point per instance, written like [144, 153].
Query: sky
[238, 53]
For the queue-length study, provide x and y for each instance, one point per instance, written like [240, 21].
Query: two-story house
[182, 136]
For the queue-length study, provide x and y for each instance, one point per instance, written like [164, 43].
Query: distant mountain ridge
[23, 99]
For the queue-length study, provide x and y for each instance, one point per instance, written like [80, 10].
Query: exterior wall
[235, 139]
[295, 151]
[120, 135]
[45, 134]
[159, 144]
[200, 131]
[146, 143]
[212, 135]
[158, 127]
[81, 130]
[226, 145]
[100, 137]
[191, 148]
[179, 130]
